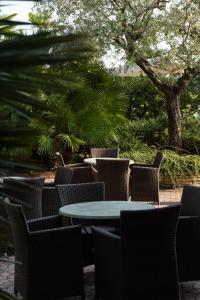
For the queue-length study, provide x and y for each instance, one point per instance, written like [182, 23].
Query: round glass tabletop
[92, 160]
[101, 209]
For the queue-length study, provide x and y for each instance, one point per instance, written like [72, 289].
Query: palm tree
[89, 112]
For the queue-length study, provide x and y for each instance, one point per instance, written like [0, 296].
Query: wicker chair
[83, 192]
[141, 262]
[63, 175]
[115, 175]
[144, 183]
[188, 234]
[105, 152]
[49, 257]
[27, 192]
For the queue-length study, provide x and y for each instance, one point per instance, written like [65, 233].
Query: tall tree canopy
[161, 36]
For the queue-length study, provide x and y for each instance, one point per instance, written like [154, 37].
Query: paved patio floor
[189, 290]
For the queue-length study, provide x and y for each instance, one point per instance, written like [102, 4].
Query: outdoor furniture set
[138, 260]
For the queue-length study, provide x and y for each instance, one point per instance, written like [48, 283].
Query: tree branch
[185, 79]
[147, 69]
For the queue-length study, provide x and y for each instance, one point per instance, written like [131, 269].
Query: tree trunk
[174, 120]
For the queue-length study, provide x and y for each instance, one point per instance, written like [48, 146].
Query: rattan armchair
[115, 175]
[48, 256]
[63, 175]
[144, 183]
[105, 152]
[188, 234]
[27, 192]
[83, 192]
[141, 262]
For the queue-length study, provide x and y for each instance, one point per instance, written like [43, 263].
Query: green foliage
[191, 98]
[25, 62]
[145, 100]
[145, 131]
[160, 36]
[176, 169]
[87, 113]
[191, 136]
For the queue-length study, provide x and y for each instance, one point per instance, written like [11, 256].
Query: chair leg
[83, 297]
[15, 292]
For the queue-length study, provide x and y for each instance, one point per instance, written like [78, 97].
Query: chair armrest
[58, 246]
[108, 264]
[141, 165]
[44, 223]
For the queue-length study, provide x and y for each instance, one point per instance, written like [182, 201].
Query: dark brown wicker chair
[63, 175]
[141, 262]
[27, 192]
[188, 234]
[115, 175]
[105, 152]
[144, 183]
[156, 163]
[48, 256]
[83, 192]
[81, 175]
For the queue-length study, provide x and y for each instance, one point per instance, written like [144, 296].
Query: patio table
[92, 160]
[101, 209]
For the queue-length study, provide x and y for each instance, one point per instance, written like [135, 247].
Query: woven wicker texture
[141, 262]
[81, 175]
[50, 245]
[115, 175]
[82, 192]
[26, 192]
[76, 173]
[144, 183]
[105, 152]
[85, 192]
[188, 234]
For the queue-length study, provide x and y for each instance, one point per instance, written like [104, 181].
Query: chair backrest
[27, 192]
[115, 174]
[81, 175]
[62, 175]
[158, 159]
[82, 192]
[190, 200]
[149, 253]
[105, 152]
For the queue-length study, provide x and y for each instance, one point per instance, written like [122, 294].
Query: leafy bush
[153, 132]
[145, 100]
[191, 136]
[176, 170]
[135, 134]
